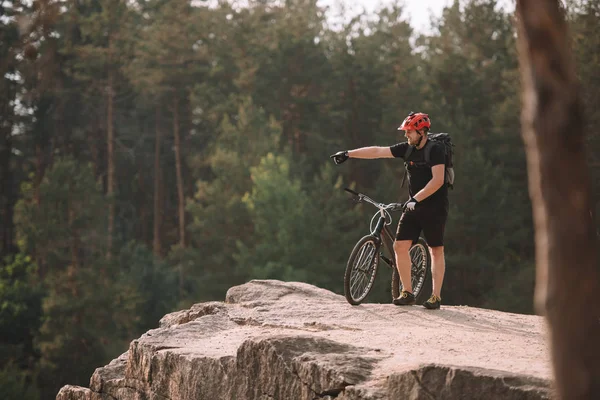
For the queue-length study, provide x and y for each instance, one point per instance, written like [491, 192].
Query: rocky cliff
[277, 340]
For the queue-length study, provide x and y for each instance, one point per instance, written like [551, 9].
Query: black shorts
[430, 220]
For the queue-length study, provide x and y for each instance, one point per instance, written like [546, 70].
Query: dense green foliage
[223, 120]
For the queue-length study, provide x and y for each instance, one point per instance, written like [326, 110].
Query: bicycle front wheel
[361, 269]
[420, 265]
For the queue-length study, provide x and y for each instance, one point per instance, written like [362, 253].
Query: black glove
[411, 204]
[340, 156]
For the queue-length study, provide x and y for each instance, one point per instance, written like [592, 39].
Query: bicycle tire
[364, 262]
[420, 267]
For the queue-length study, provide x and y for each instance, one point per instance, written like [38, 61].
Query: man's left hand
[410, 204]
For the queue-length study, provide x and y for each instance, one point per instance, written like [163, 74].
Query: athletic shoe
[433, 303]
[405, 299]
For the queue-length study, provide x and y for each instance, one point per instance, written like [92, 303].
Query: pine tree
[65, 227]
[219, 217]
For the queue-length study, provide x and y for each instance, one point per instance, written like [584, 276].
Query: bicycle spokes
[418, 261]
[361, 270]
[360, 278]
[365, 257]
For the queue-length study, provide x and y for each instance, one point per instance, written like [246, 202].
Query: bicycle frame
[383, 232]
[383, 240]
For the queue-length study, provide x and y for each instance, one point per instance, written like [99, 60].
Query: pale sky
[420, 11]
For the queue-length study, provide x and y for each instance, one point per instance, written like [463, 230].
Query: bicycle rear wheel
[361, 269]
[420, 261]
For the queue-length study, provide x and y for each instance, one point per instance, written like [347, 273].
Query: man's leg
[433, 228]
[407, 233]
[438, 267]
[401, 248]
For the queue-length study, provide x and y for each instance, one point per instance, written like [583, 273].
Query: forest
[155, 153]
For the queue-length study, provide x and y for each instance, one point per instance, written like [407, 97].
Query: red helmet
[416, 121]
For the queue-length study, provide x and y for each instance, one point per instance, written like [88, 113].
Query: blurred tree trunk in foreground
[568, 279]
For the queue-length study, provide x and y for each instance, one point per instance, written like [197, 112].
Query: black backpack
[446, 140]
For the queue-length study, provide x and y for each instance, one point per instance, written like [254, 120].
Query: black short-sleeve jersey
[419, 174]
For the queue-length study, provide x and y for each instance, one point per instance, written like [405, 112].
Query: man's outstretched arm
[363, 152]
[371, 152]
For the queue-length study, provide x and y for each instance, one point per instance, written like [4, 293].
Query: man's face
[412, 136]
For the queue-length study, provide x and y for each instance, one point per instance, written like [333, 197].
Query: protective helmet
[416, 121]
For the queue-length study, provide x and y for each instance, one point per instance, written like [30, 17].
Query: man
[427, 208]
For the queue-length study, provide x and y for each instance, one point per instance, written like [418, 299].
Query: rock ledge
[289, 340]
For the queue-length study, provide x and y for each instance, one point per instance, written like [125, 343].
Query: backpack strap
[427, 147]
[428, 161]
[428, 152]
[406, 155]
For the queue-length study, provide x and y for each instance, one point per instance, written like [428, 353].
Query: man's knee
[437, 251]
[402, 245]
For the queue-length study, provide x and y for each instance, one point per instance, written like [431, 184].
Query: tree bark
[157, 243]
[110, 190]
[178, 166]
[180, 187]
[568, 276]
[7, 197]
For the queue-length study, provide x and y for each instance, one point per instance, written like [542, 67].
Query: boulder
[290, 340]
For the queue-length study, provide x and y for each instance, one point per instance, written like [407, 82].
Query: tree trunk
[6, 124]
[568, 277]
[180, 191]
[178, 165]
[40, 170]
[110, 190]
[157, 243]
[7, 197]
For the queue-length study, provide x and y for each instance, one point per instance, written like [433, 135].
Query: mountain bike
[379, 245]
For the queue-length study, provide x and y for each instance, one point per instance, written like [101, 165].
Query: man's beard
[415, 142]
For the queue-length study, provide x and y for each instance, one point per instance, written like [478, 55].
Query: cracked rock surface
[289, 340]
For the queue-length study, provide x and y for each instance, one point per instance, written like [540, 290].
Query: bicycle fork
[382, 233]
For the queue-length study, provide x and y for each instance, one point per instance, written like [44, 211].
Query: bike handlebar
[352, 191]
[359, 197]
